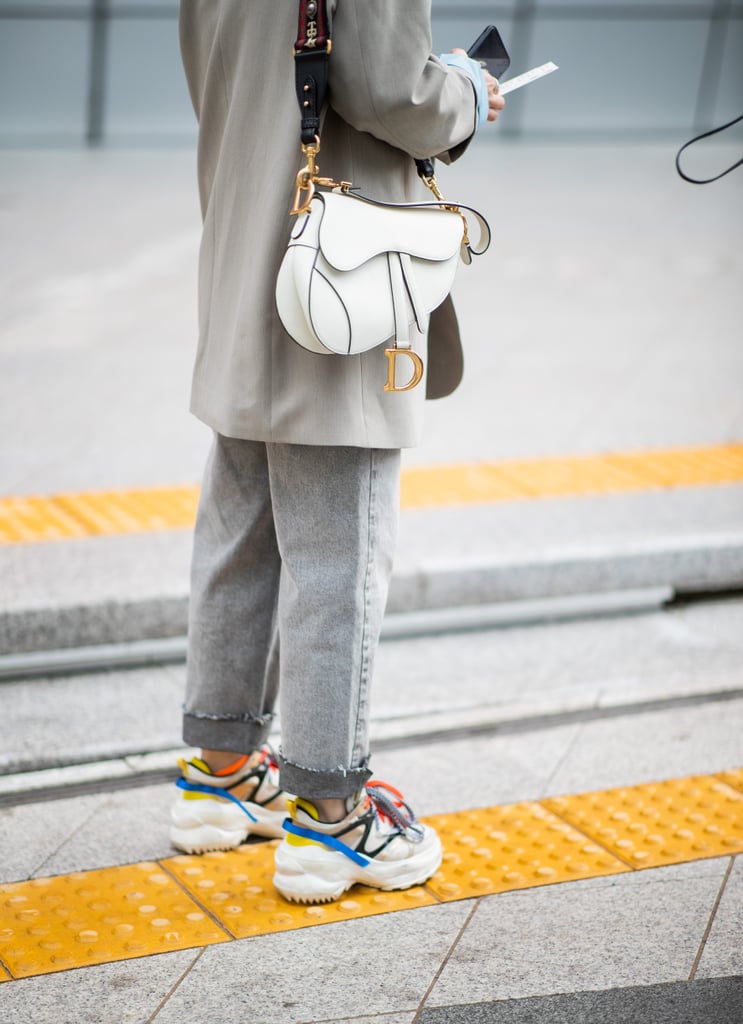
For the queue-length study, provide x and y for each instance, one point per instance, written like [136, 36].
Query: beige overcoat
[389, 99]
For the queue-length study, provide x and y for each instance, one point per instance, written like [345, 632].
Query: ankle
[219, 760]
[330, 811]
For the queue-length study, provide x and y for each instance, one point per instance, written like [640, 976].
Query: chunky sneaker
[379, 843]
[219, 810]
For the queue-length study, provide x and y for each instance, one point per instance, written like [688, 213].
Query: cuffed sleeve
[473, 70]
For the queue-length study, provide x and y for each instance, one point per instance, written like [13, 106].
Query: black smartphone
[488, 48]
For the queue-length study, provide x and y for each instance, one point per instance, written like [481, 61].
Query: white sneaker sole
[198, 826]
[316, 874]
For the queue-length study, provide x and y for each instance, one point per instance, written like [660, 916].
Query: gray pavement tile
[376, 1018]
[128, 992]
[643, 928]
[480, 771]
[90, 717]
[122, 828]
[723, 951]
[430, 683]
[635, 748]
[710, 867]
[698, 648]
[352, 969]
[531, 763]
[698, 1002]
[32, 833]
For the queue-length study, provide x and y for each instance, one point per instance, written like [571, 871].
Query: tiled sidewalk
[86, 918]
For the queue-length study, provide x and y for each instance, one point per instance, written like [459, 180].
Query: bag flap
[354, 230]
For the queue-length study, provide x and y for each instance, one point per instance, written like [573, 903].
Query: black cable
[714, 131]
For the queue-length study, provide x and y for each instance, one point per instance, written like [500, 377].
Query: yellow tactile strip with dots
[111, 914]
[93, 917]
[661, 823]
[237, 888]
[67, 516]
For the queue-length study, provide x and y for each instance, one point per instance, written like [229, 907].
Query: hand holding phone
[489, 49]
[491, 52]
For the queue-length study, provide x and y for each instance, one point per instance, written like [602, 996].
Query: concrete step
[131, 588]
[127, 722]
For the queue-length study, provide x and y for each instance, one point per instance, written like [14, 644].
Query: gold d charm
[392, 354]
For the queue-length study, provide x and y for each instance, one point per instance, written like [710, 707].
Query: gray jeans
[292, 560]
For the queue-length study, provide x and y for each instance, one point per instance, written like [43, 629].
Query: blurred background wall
[108, 71]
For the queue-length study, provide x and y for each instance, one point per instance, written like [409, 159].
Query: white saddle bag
[357, 273]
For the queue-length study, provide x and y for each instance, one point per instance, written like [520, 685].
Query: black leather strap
[311, 78]
[311, 61]
[425, 168]
[714, 131]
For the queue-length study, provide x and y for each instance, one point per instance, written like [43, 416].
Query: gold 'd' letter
[392, 354]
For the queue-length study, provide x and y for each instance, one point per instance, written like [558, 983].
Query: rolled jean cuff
[321, 784]
[241, 733]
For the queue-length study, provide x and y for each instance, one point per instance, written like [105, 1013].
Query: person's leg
[232, 672]
[232, 676]
[336, 512]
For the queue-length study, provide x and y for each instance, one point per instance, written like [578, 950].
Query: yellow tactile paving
[237, 888]
[426, 486]
[733, 778]
[65, 516]
[660, 823]
[93, 917]
[560, 477]
[34, 519]
[513, 847]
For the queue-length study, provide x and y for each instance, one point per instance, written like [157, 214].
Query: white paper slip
[528, 76]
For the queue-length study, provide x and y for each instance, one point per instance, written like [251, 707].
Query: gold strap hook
[306, 179]
[432, 184]
[305, 192]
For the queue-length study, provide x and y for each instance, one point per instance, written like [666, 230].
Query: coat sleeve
[384, 79]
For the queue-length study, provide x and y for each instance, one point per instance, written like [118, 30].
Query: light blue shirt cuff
[473, 70]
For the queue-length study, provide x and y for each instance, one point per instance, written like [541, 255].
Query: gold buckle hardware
[304, 184]
[432, 184]
[309, 177]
